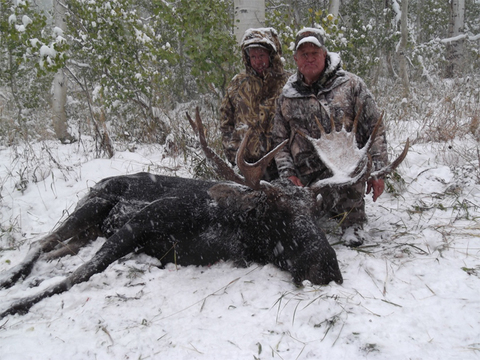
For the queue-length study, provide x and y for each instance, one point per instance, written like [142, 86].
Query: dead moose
[197, 222]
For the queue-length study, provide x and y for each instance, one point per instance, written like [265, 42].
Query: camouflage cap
[255, 45]
[266, 38]
[309, 35]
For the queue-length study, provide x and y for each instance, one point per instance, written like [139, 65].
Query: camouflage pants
[345, 204]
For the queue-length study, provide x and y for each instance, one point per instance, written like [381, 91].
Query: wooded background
[116, 70]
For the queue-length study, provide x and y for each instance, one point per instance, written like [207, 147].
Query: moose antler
[220, 166]
[339, 151]
[393, 165]
[252, 172]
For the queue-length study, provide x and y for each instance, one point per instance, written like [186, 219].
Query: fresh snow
[412, 292]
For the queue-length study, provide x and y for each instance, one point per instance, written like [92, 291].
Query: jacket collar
[332, 77]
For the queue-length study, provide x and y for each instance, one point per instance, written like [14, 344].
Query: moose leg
[156, 223]
[85, 217]
[123, 242]
[75, 244]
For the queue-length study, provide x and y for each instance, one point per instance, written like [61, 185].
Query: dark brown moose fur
[191, 222]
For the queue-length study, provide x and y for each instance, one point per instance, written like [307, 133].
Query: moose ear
[226, 194]
[235, 196]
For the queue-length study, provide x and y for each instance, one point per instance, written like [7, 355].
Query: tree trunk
[248, 14]
[59, 99]
[455, 46]
[333, 7]
[403, 48]
[388, 49]
[419, 9]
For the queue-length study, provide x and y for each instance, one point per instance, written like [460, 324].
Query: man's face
[259, 60]
[310, 61]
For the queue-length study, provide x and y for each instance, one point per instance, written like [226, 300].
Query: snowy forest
[116, 70]
[92, 89]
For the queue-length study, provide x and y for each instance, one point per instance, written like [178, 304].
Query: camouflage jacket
[250, 100]
[338, 93]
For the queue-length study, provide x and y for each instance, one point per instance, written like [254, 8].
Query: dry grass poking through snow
[411, 292]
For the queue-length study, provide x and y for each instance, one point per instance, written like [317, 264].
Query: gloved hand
[295, 180]
[377, 185]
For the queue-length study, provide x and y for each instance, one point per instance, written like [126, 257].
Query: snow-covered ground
[412, 292]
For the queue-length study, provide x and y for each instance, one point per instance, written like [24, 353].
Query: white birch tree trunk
[403, 47]
[248, 14]
[455, 53]
[59, 99]
[334, 7]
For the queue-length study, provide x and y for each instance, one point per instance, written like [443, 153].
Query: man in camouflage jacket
[250, 98]
[319, 89]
